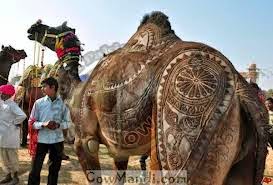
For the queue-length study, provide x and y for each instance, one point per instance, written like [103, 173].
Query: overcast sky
[241, 30]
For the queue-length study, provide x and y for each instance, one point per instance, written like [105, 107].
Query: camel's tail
[258, 116]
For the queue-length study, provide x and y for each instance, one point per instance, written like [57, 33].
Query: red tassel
[33, 138]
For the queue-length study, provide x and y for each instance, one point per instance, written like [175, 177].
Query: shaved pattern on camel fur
[180, 100]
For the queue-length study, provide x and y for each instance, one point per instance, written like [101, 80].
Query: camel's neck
[68, 85]
[4, 76]
[75, 83]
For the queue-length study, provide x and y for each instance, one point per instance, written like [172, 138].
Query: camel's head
[12, 55]
[48, 36]
[64, 42]
[9, 56]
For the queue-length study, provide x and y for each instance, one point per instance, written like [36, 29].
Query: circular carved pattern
[196, 84]
[193, 86]
[131, 138]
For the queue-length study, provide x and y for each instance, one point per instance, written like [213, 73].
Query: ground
[71, 173]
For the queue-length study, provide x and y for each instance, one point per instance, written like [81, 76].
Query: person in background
[269, 107]
[48, 119]
[11, 117]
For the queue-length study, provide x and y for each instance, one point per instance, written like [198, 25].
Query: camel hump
[194, 93]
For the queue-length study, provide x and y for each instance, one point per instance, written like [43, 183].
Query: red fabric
[62, 52]
[7, 89]
[33, 138]
[62, 49]
[267, 180]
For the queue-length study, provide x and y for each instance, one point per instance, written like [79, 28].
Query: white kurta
[10, 117]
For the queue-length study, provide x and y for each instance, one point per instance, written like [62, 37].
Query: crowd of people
[48, 122]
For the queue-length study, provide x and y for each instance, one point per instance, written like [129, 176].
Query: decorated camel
[182, 101]
[9, 56]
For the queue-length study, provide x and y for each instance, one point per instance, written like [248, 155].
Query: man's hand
[52, 125]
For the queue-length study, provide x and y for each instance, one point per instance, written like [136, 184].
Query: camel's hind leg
[258, 118]
[243, 171]
[120, 166]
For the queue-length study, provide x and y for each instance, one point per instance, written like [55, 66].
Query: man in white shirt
[48, 118]
[11, 117]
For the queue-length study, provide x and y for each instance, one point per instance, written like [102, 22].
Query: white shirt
[10, 117]
[270, 113]
[44, 109]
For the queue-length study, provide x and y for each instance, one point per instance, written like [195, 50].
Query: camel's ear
[39, 21]
[64, 24]
[74, 31]
[2, 46]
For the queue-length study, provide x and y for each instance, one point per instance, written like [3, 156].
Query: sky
[241, 30]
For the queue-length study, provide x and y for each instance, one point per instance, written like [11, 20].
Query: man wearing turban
[11, 117]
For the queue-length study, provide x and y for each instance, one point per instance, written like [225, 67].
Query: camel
[9, 56]
[183, 102]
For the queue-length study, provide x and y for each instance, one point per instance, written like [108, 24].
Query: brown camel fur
[183, 101]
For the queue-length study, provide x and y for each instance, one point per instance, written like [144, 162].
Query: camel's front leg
[120, 166]
[87, 152]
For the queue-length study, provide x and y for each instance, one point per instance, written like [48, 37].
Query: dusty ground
[71, 173]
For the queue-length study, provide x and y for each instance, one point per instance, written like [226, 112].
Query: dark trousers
[24, 133]
[55, 157]
[142, 161]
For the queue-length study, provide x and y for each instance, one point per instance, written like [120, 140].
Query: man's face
[4, 96]
[269, 105]
[47, 90]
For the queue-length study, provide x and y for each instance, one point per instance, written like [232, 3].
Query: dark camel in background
[9, 56]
